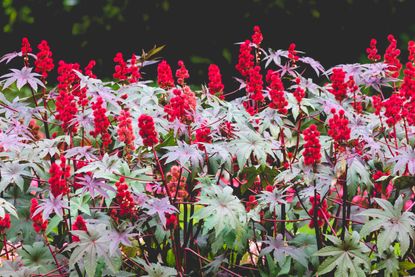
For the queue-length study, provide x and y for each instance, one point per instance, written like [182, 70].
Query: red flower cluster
[257, 36]
[125, 131]
[26, 49]
[338, 86]
[58, 176]
[203, 134]
[411, 50]
[147, 130]
[391, 57]
[339, 127]
[125, 201]
[372, 51]
[292, 53]
[88, 69]
[177, 188]
[215, 81]
[44, 61]
[182, 74]
[276, 92]
[251, 203]
[180, 107]
[164, 75]
[255, 84]
[312, 145]
[377, 104]
[4, 223]
[101, 122]
[393, 106]
[246, 59]
[322, 212]
[227, 130]
[80, 225]
[171, 221]
[408, 86]
[299, 94]
[124, 72]
[39, 224]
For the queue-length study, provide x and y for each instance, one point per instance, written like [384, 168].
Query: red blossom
[322, 213]
[203, 134]
[164, 75]
[372, 51]
[44, 61]
[254, 84]
[39, 224]
[147, 131]
[125, 130]
[177, 188]
[312, 145]
[101, 122]
[339, 127]
[180, 107]
[124, 72]
[26, 49]
[292, 53]
[182, 74]
[58, 178]
[246, 59]
[391, 57]
[124, 198]
[251, 203]
[393, 107]
[257, 36]
[276, 92]
[80, 225]
[411, 50]
[88, 69]
[215, 81]
[338, 86]
[4, 223]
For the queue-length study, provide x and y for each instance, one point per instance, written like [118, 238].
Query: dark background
[203, 32]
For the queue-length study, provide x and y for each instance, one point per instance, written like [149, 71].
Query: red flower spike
[101, 122]
[26, 49]
[124, 198]
[276, 92]
[312, 145]
[203, 134]
[39, 224]
[292, 54]
[4, 223]
[391, 57]
[257, 36]
[147, 131]
[338, 86]
[125, 130]
[88, 69]
[339, 127]
[44, 61]
[322, 212]
[58, 176]
[182, 74]
[372, 51]
[181, 106]
[80, 225]
[164, 75]
[254, 84]
[215, 81]
[246, 59]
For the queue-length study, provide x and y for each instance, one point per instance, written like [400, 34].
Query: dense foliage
[301, 176]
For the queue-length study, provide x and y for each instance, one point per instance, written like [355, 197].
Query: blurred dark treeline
[203, 32]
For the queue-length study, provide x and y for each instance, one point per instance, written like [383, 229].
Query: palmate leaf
[13, 172]
[251, 142]
[156, 270]
[15, 269]
[22, 77]
[222, 210]
[161, 207]
[279, 249]
[37, 255]
[7, 207]
[393, 224]
[348, 257]
[93, 245]
[405, 160]
[183, 153]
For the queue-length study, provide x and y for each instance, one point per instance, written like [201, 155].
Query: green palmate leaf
[93, 246]
[389, 263]
[393, 224]
[357, 174]
[251, 142]
[347, 258]
[280, 250]
[7, 207]
[222, 210]
[37, 256]
[156, 269]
